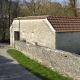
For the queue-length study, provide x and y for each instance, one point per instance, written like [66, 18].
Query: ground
[10, 69]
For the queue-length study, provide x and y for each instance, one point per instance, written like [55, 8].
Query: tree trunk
[3, 32]
[73, 7]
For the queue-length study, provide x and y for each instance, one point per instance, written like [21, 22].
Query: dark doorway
[16, 35]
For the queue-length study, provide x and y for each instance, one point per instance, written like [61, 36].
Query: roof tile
[65, 24]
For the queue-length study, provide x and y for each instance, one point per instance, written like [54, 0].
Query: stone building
[61, 33]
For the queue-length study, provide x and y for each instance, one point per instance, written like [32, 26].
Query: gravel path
[10, 69]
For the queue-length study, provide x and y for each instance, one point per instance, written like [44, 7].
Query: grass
[36, 68]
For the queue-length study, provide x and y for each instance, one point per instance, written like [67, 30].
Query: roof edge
[31, 17]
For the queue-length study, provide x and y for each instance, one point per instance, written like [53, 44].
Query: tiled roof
[65, 24]
[30, 17]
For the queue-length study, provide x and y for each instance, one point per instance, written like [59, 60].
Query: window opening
[16, 35]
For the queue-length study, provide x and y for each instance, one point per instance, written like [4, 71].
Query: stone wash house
[61, 33]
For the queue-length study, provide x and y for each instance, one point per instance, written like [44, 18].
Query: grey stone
[66, 63]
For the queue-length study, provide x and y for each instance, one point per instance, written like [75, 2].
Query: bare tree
[31, 6]
[3, 18]
[73, 6]
[6, 16]
[38, 7]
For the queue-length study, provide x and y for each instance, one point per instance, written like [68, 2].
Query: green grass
[36, 68]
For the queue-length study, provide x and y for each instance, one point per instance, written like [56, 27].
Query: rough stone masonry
[67, 64]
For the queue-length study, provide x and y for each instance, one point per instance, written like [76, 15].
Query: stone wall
[65, 63]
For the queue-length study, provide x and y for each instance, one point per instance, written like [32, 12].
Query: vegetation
[10, 9]
[34, 67]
